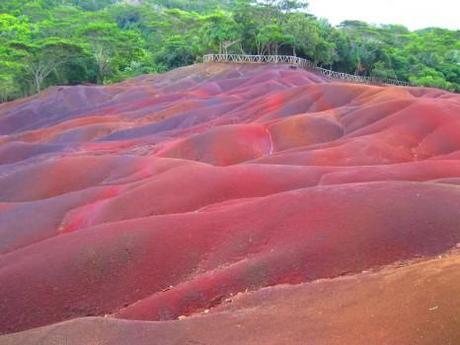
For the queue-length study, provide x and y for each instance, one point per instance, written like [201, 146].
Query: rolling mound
[163, 197]
[417, 304]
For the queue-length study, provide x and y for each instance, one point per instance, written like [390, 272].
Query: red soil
[416, 305]
[164, 195]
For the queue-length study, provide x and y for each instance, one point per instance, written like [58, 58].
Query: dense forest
[55, 42]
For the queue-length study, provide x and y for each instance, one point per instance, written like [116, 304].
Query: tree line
[67, 42]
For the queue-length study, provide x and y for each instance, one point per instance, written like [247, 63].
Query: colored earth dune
[230, 204]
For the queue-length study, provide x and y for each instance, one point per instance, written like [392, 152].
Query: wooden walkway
[301, 63]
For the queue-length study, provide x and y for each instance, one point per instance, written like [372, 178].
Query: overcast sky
[414, 14]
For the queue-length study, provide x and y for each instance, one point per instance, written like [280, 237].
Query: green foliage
[429, 57]
[41, 59]
[219, 31]
[195, 5]
[305, 34]
[175, 52]
[13, 28]
[112, 49]
[49, 42]
[93, 5]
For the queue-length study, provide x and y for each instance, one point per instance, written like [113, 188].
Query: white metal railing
[302, 63]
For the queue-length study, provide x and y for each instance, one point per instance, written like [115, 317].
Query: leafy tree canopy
[49, 42]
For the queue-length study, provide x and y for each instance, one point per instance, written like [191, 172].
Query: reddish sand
[416, 305]
[165, 195]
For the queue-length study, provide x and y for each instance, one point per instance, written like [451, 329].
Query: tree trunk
[100, 78]
[37, 83]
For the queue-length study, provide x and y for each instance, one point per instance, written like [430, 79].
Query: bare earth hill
[230, 204]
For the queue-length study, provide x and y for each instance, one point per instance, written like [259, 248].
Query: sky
[414, 14]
